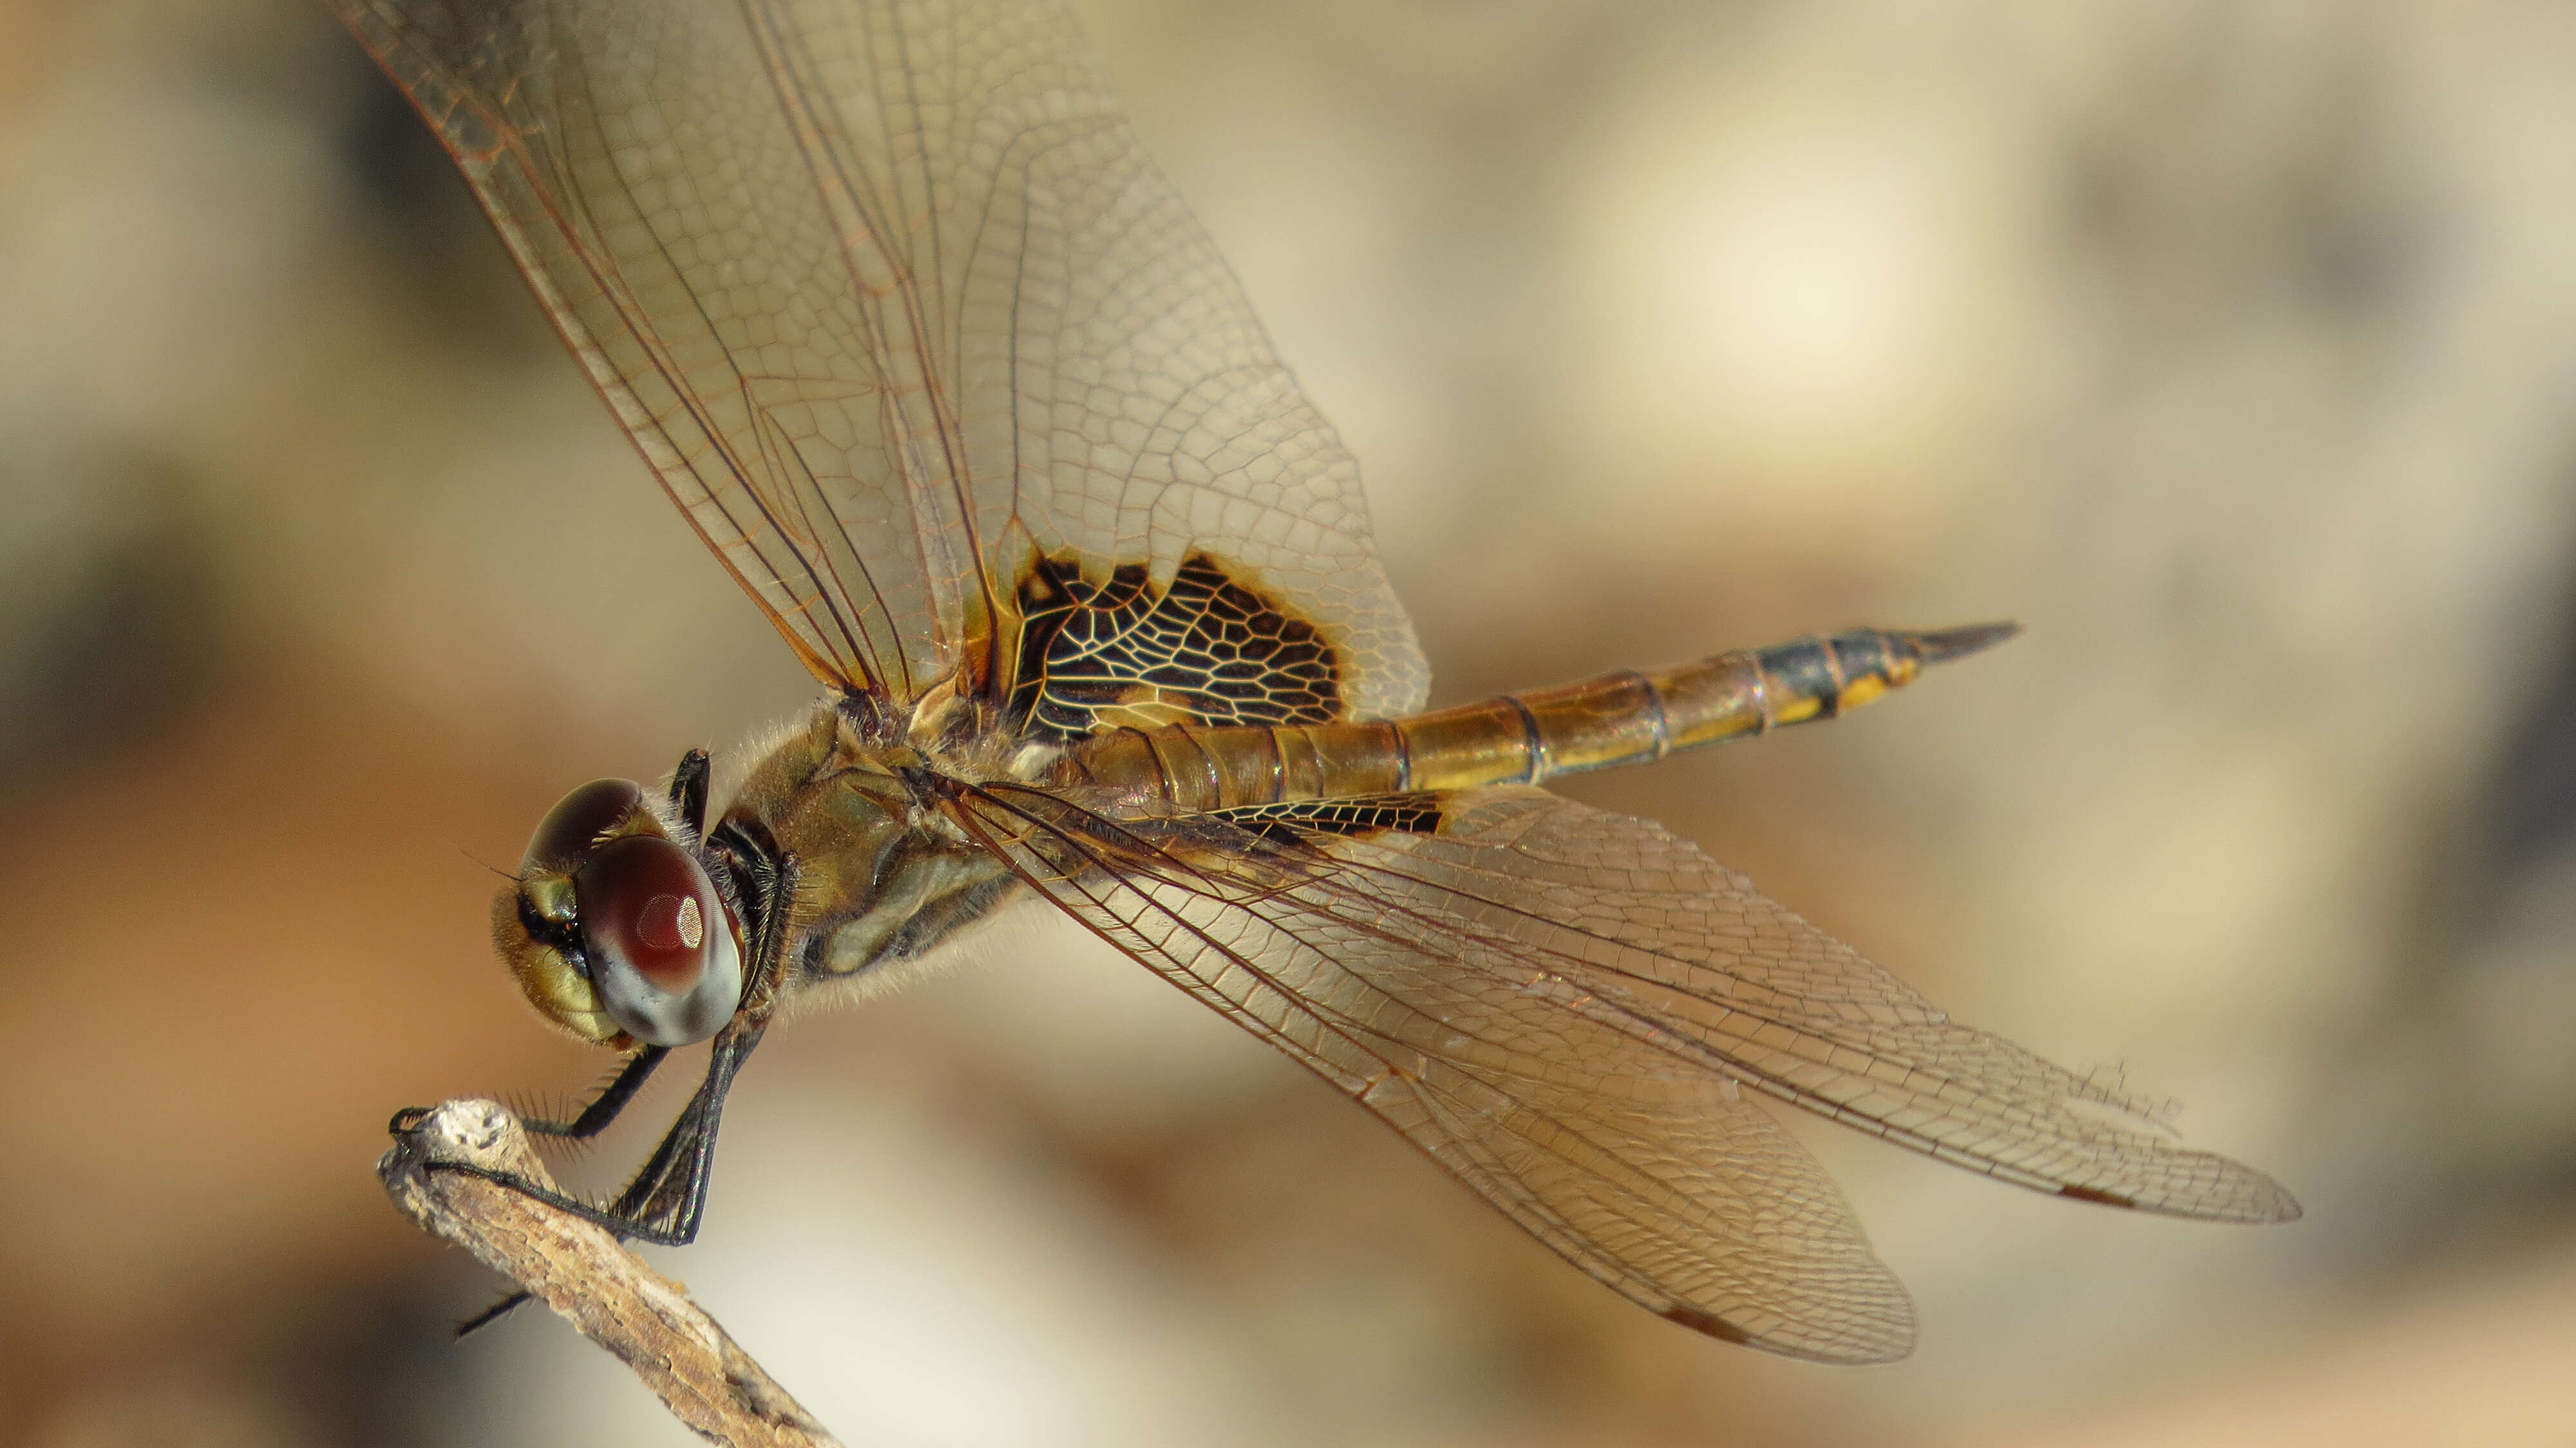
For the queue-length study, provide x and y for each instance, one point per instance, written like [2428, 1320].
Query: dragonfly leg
[604, 1108]
[669, 1195]
[667, 1199]
[493, 1313]
[658, 1206]
[593, 1119]
[689, 791]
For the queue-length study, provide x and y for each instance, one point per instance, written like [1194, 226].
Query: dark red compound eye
[578, 821]
[671, 922]
[564, 838]
[646, 904]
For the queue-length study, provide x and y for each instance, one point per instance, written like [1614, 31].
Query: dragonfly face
[941, 369]
[616, 932]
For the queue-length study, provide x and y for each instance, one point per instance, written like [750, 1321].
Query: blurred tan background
[2228, 346]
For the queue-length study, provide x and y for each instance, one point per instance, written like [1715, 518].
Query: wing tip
[2245, 1196]
[1709, 1323]
[2271, 1204]
[1893, 1344]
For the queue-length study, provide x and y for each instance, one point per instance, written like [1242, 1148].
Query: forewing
[892, 301]
[1567, 1008]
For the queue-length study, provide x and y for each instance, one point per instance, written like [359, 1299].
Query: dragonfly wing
[1571, 1009]
[891, 299]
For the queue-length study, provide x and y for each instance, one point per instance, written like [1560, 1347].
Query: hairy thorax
[884, 876]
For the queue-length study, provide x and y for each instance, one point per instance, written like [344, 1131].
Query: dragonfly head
[614, 929]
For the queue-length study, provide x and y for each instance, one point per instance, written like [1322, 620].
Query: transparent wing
[890, 298]
[1569, 1008]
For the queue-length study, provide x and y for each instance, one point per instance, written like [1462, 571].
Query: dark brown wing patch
[1207, 649]
[1412, 814]
[1351, 818]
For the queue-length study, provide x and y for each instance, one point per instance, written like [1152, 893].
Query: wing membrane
[1568, 1008]
[892, 301]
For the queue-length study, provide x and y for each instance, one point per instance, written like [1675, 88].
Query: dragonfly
[943, 371]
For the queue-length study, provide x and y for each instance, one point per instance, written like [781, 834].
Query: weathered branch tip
[585, 1274]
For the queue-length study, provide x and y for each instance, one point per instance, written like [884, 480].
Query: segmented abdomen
[1524, 738]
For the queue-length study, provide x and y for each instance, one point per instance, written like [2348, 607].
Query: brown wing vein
[640, 324]
[939, 200]
[1683, 1197]
[1113, 867]
[1844, 1056]
[1900, 1069]
[1639, 1025]
[797, 102]
[787, 458]
[836, 173]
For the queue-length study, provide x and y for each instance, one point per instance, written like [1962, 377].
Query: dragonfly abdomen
[1526, 738]
[1629, 718]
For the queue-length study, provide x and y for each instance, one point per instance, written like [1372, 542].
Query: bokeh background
[2227, 345]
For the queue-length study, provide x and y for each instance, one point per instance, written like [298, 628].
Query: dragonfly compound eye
[661, 948]
[579, 820]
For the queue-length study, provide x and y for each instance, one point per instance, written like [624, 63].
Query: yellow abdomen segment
[1525, 738]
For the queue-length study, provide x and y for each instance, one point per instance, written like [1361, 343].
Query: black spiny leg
[669, 1196]
[492, 1314]
[689, 791]
[604, 1107]
[593, 1120]
[665, 1202]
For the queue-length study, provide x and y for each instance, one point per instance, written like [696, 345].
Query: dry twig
[585, 1274]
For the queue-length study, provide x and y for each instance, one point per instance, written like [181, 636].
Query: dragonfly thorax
[882, 874]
